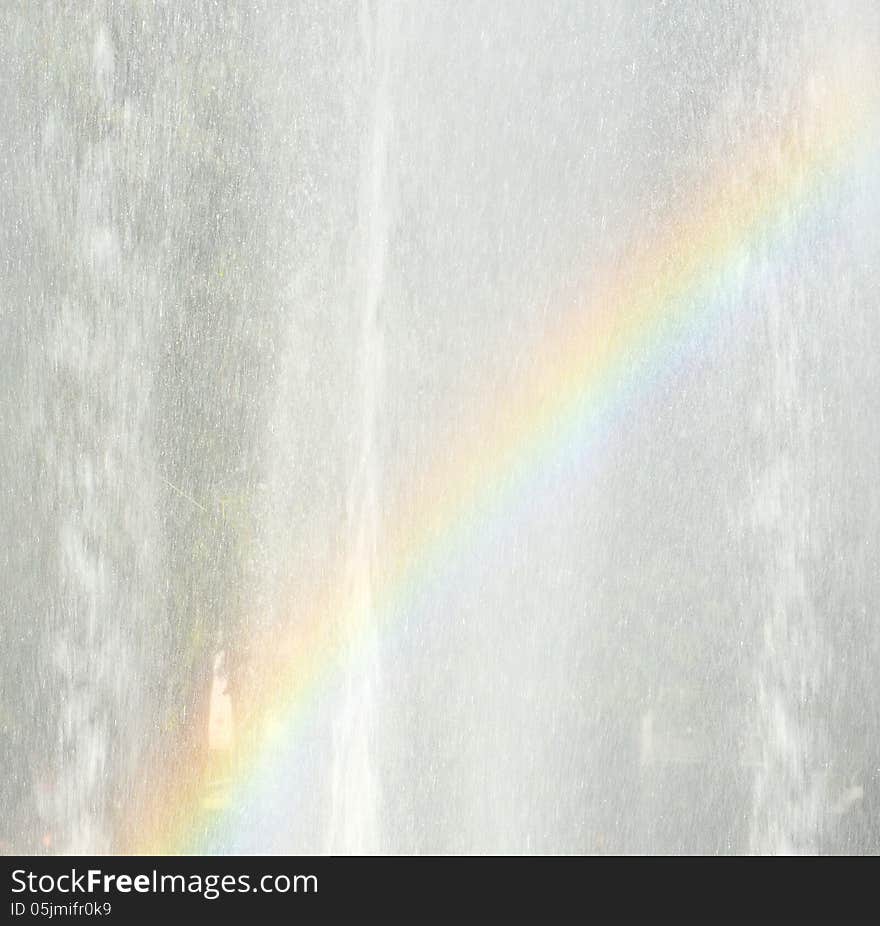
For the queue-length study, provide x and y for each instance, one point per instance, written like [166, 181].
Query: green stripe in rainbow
[606, 346]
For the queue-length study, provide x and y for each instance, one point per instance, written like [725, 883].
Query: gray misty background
[255, 258]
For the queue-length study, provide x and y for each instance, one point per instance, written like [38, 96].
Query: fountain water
[440, 427]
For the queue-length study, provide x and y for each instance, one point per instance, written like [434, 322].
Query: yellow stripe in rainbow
[603, 347]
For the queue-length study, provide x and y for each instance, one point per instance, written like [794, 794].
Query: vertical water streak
[354, 825]
[789, 795]
[93, 369]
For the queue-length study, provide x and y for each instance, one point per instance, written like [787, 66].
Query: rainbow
[611, 344]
